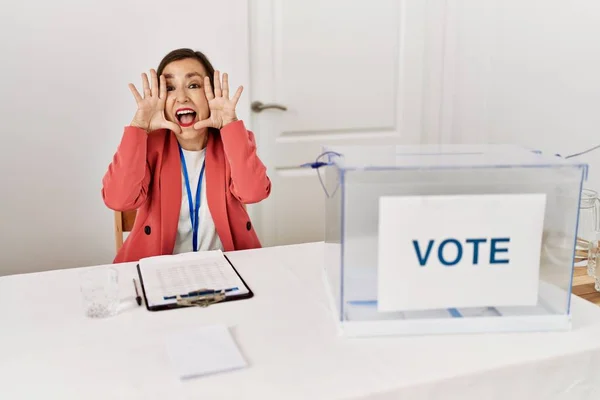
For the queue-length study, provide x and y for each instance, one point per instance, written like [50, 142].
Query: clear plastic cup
[100, 291]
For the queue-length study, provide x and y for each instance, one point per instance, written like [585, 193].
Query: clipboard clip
[203, 300]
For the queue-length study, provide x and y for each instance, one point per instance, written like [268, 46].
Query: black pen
[138, 298]
[201, 292]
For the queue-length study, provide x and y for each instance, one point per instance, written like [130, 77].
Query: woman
[186, 163]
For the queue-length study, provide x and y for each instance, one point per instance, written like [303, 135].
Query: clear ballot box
[449, 238]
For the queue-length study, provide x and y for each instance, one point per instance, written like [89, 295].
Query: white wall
[520, 71]
[64, 102]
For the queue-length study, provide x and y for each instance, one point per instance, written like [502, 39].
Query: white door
[347, 72]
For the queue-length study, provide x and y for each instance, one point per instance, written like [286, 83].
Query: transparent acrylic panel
[363, 187]
[441, 156]
[333, 233]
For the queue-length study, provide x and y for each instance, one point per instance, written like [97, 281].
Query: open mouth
[186, 116]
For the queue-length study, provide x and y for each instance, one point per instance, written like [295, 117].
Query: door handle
[258, 106]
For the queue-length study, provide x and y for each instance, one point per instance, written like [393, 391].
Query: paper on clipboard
[167, 276]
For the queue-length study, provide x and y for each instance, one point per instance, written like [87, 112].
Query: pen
[138, 298]
[202, 292]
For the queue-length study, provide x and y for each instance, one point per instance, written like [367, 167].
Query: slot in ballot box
[449, 238]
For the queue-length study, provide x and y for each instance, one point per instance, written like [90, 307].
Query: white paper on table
[204, 351]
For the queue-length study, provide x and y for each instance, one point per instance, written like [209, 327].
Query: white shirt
[208, 239]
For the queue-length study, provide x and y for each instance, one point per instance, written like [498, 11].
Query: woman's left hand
[222, 108]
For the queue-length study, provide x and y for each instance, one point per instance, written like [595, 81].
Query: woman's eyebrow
[188, 75]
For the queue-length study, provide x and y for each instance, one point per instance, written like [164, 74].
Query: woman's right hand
[150, 114]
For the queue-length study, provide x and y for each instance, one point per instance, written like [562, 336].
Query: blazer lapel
[170, 193]
[216, 189]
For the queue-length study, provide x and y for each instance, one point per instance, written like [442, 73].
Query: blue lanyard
[194, 208]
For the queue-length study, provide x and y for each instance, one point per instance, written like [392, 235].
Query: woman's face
[186, 101]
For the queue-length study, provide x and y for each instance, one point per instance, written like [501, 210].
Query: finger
[154, 88]
[147, 92]
[205, 123]
[162, 94]
[208, 88]
[236, 96]
[217, 82]
[169, 102]
[135, 93]
[173, 127]
[225, 85]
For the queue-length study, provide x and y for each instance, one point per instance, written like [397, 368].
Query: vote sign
[452, 251]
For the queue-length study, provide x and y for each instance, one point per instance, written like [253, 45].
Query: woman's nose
[181, 96]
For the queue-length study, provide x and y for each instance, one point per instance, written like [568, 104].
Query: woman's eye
[170, 88]
[194, 86]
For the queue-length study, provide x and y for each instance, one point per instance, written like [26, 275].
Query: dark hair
[182, 54]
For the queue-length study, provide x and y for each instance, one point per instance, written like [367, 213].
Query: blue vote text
[450, 252]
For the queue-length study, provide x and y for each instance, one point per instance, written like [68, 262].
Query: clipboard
[174, 305]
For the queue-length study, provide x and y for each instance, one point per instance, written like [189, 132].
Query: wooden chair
[123, 223]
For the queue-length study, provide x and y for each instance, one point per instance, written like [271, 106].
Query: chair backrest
[123, 223]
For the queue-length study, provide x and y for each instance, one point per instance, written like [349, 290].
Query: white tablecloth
[50, 350]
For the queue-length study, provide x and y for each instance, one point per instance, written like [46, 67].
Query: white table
[50, 350]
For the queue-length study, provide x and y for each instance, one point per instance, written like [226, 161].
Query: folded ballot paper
[204, 351]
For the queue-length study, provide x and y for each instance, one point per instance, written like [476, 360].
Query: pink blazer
[145, 175]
